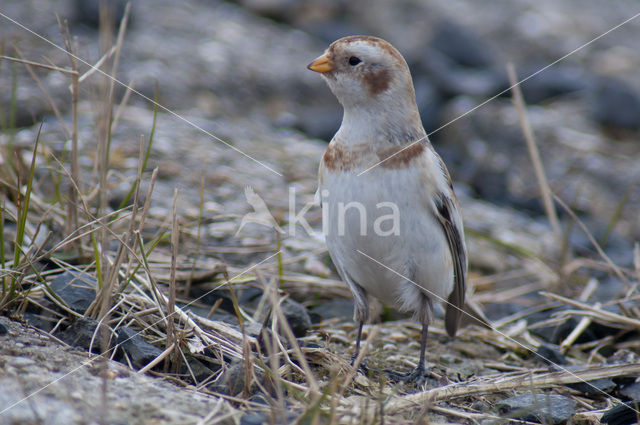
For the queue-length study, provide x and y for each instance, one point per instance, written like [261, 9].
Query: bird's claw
[417, 376]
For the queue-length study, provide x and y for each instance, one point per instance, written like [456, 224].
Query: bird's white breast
[415, 248]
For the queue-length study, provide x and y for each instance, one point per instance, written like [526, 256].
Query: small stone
[622, 414]
[21, 362]
[550, 354]
[3, 329]
[77, 290]
[617, 105]
[554, 82]
[81, 333]
[596, 387]
[200, 370]
[461, 45]
[254, 419]
[232, 380]
[139, 351]
[338, 308]
[297, 317]
[542, 408]
[398, 337]
[631, 391]
[88, 11]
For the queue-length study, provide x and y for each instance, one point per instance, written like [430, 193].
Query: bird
[381, 169]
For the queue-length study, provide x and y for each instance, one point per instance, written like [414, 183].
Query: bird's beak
[322, 64]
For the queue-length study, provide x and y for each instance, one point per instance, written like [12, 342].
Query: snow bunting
[391, 218]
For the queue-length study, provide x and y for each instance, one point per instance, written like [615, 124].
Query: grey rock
[631, 391]
[260, 418]
[81, 332]
[66, 379]
[77, 290]
[335, 308]
[543, 408]
[199, 369]
[232, 380]
[139, 351]
[550, 355]
[88, 11]
[461, 45]
[622, 414]
[616, 105]
[554, 82]
[297, 317]
[597, 387]
[254, 419]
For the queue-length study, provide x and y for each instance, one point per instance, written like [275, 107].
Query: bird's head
[366, 72]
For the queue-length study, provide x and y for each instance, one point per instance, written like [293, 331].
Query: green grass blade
[23, 211]
[96, 256]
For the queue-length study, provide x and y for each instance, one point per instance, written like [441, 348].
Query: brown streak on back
[400, 156]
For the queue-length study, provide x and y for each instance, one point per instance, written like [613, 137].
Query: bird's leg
[362, 367]
[419, 374]
[357, 350]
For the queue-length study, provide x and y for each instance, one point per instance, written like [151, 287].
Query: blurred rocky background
[239, 108]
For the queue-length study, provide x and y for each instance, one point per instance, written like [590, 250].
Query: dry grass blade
[509, 382]
[541, 177]
[171, 304]
[613, 318]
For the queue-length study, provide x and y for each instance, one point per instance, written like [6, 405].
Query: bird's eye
[353, 61]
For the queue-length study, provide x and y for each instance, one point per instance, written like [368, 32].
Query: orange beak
[322, 64]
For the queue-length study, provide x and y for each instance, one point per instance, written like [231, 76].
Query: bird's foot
[417, 376]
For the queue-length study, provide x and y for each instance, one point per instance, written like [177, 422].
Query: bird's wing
[448, 214]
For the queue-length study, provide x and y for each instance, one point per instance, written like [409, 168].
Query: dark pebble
[254, 419]
[80, 333]
[87, 12]
[209, 296]
[139, 351]
[550, 355]
[597, 387]
[631, 391]
[622, 414]
[260, 418]
[232, 380]
[77, 290]
[337, 308]
[542, 408]
[616, 105]
[3, 329]
[297, 317]
[461, 45]
[199, 369]
[551, 83]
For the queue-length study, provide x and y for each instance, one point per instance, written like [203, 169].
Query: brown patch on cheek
[400, 156]
[377, 81]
